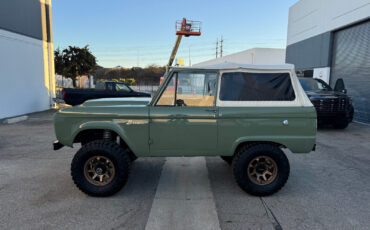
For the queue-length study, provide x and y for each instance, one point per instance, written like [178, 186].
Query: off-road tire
[227, 159]
[341, 123]
[114, 153]
[249, 152]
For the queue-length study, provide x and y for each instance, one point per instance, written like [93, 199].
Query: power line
[217, 48]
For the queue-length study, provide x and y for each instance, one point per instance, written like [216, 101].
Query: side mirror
[180, 102]
[339, 86]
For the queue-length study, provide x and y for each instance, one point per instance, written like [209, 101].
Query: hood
[120, 101]
[325, 94]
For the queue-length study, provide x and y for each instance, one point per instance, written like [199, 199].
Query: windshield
[311, 84]
[122, 87]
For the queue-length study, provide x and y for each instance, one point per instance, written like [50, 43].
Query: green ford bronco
[243, 113]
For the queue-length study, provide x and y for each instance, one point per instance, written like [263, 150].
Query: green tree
[74, 61]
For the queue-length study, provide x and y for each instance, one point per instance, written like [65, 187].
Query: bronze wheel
[99, 170]
[262, 170]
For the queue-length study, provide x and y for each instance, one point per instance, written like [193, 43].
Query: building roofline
[231, 66]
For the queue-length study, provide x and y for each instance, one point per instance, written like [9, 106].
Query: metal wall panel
[351, 61]
[22, 17]
[311, 53]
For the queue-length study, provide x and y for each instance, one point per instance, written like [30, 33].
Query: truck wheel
[227, 159]
[260, 170]
[100, 168]
[351, 113]
[341, 123]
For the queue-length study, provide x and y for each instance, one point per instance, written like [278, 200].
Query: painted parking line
[183, 199]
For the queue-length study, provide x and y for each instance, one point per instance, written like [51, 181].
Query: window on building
[241, 86]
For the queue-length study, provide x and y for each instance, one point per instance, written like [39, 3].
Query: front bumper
[57, 145]
[328, 115]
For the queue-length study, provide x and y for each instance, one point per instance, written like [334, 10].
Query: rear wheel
[341, 123]
[100, 168]
[261, 169]
[351, 113]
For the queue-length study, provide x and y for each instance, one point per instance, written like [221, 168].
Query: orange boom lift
[185, 28]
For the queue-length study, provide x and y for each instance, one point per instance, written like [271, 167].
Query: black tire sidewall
[341, 123]
[246, 155]
[227, 159]
[107, 149]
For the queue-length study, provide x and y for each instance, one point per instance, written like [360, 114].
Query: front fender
[106, 125]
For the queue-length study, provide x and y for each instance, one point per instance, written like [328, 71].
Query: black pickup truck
[102, 90]
[333, 106]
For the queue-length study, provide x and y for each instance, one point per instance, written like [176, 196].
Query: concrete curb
[15, 119]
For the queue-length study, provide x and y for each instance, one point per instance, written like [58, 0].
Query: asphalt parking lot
[327, 189]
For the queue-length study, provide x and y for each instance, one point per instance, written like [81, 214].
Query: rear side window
[100, 85]
[241, 86]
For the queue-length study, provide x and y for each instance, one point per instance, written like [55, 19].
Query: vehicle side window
[100, 85]
[196, 89]
[122, 88]
[168, 95]
[322, 85]
[305, 85]
[242, 86]
[110, 86]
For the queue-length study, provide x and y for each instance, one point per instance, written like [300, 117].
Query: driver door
[183, 122]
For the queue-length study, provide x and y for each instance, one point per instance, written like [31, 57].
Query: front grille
[330, 105]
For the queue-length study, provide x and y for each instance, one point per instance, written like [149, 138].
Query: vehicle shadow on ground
[323, 187]
[232, 203]
[327, 127]
[131, 206]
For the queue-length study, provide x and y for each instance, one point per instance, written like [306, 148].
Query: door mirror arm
[180, 102]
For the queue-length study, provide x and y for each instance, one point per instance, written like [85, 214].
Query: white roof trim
[234, 66]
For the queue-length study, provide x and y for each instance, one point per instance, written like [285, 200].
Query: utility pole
[221, 44]
[217, 48]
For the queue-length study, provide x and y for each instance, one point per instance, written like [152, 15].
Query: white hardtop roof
[231, 65]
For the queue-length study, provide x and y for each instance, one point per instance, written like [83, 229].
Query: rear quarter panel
[241, 124]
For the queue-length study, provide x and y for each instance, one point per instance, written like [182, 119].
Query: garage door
[351, 61]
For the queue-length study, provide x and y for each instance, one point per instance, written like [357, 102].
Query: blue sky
[140, 33]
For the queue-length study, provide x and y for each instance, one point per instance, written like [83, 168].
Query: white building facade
[27, 81]
[330, 40]
[256, 56]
